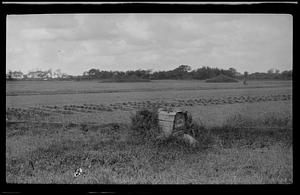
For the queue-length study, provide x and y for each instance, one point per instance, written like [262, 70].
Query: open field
[101, 144]
[73, 87]
[51, 153]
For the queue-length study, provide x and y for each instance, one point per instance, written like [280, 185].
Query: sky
[76, 43]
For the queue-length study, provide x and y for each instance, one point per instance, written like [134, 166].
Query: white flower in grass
[78, 172]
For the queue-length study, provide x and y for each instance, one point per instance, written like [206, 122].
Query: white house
[17, 75]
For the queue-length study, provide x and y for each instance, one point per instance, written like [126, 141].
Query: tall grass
[267, 120]
[144, 125]
[238, 130]
[227, 154]
[145, 128]
[241, 130]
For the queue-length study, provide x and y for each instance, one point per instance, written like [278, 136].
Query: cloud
[49, 21]
[252, 42]
[134, 28]
[37, 34]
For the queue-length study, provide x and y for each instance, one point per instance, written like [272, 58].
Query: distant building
[8, 76]
[47, 75]
[65, 76]
[39, 75]
[34, 75]
[55, 75]
[17, 75]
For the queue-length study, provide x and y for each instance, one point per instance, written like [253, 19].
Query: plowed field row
[46, 110]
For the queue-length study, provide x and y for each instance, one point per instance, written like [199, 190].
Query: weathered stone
[171, 121]
[190, 140]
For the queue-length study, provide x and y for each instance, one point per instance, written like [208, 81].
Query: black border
[266, 8]
[149, 8]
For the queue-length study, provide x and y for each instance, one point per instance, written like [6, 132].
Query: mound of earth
[222, 79]
[128, 79]
[124, 80]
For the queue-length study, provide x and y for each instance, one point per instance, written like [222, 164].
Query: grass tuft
[144, 125]
[227, 154]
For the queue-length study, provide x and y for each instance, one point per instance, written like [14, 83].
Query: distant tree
[233, 72]
[10, 74]
[183, 68]
[57, 73]
[93, 73]
[245, 78]
[183, 72]
[50, 72]
[180, 72]
[287, 75]
[205, 73]
[271, 71]
[85, 73]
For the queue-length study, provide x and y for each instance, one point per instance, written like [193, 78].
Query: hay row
[127, 106]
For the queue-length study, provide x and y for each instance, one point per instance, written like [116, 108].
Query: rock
[170, 120]
[190, 140]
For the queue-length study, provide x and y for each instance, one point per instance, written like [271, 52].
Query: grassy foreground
[115, 154]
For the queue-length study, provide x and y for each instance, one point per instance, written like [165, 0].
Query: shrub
[144, 124]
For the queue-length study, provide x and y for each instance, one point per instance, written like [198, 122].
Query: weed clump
[145, 127]
[144, 124]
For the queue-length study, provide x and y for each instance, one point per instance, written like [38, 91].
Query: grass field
[67, 87]
[101, 143]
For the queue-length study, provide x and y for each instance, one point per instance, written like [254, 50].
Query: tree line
[185, 72]
[181, 72]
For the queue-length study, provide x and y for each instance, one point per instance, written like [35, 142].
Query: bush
[144, 124]
[145, 127]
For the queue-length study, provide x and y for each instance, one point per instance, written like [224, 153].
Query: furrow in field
[57, 92]
[42, 112]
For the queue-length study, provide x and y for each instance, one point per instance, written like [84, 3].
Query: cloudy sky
[75, 43]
